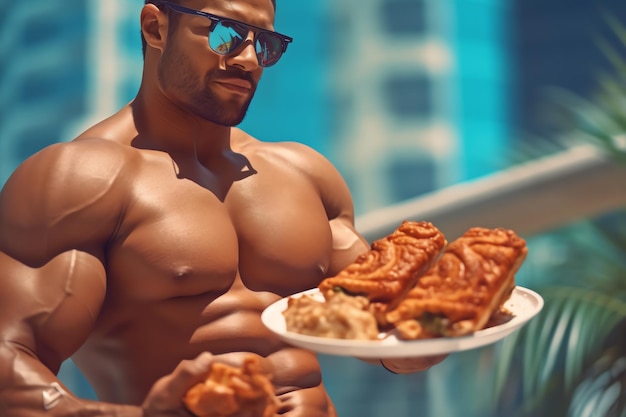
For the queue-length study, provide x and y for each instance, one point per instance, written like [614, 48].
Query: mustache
[233, 73]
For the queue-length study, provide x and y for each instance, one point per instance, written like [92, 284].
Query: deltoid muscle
[391, 267]
[469, 283]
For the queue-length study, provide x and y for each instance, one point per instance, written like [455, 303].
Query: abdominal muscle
[134, 345]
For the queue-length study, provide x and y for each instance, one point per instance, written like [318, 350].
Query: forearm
[29, 389]
[32, 400]
[307, 402]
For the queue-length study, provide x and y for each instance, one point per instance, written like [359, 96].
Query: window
[403, 17]
[408, 96]
[410, 177]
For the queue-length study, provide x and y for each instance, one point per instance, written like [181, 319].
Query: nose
[245, 57]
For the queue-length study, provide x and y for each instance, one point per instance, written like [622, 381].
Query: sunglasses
[227, 35]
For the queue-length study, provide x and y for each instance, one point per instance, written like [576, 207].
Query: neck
[163, 125]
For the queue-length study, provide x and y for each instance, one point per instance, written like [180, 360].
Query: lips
[236, 84]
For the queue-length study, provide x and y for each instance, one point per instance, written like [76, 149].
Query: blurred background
[462, 112]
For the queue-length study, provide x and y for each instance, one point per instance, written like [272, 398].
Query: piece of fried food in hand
[391, 267]
[466, 287]
[233, 392]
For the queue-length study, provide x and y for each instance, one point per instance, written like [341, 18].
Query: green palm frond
[601, 246]
[550, 354]
[601, 119]
[605, 242]
[603, 389]
[601, 122]
[612, 55]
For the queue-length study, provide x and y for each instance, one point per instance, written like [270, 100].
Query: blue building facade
[43, 76]
[416, 86]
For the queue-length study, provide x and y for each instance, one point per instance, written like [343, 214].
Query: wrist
[382, 363]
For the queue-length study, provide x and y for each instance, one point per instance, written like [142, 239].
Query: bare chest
[179, 238]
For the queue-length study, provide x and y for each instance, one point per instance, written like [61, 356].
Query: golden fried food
[230, 391]
[340, 316]
[391, 267]
[465, 288]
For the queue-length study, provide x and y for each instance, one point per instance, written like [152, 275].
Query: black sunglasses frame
[215, 19]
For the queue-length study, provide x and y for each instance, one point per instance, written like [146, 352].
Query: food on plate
[386, 272]
[340, 316]
[366, 289]
[233, 391]
[465, 289]
[414, 284]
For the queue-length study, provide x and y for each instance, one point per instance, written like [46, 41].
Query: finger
[165, 396]
[191, 372]
[187, 374]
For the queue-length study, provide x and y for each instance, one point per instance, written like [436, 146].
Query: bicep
[50, 311]
[347, 241]
[335, 195]
[337, 199]
[347, 244]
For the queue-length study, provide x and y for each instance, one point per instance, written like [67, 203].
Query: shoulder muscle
[66, 196]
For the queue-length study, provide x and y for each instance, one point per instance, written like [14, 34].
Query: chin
[227, 120]
[221, 110]
[224, 118]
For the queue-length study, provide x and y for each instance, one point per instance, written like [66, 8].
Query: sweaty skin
[147, 247]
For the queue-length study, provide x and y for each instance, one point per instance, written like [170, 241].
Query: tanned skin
[147, 248]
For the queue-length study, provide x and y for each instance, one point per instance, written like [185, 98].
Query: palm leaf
[559, 342]
[603, 390]
[612, 55]
[604, 121]
[602, 124]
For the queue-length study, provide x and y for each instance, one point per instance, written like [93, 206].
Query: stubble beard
[195, 94]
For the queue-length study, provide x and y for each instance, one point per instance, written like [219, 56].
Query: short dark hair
[173, 20]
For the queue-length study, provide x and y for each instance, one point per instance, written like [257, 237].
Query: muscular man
[147, 247]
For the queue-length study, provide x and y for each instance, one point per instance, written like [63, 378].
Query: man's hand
[239, 382]
[165, 397]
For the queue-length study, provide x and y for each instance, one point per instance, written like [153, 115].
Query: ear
[154, 26]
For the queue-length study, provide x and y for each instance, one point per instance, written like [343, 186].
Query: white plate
[523, 303]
